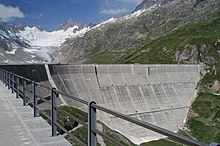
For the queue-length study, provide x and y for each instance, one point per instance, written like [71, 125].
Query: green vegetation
[81, 133]
[116, 136]
[206, 125]
[162, 142]
[83, 116]
[104, 57]
[67, 122]
[203, 132]
[205, 33]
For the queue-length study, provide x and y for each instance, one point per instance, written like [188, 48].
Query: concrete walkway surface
[18, 127]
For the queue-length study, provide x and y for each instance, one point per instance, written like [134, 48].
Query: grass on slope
[162, 50]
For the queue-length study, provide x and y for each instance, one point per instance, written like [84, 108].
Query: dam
[158, 94]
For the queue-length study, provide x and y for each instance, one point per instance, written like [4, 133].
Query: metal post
[17, 87]
[1, 71]
[35, 98]
[24, 91]
[4, 77]
[91, 124]
[13, 83]
[53, 111]
[8, 80]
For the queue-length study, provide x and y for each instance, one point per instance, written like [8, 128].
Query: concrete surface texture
[158, 94]
[18, 127]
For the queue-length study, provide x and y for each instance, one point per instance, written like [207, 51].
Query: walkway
[18, 127]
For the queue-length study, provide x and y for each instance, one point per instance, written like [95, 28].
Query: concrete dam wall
[158, 94]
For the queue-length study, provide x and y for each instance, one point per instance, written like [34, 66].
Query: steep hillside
[121, 37]
[199, 42]
[189, 44]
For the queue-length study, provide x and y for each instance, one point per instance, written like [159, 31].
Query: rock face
[70, 23]
[21, 26]
[117, 37]
[67, 24]
[146, 4]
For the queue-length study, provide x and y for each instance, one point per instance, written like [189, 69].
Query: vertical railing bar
[13, 83]
[4, 77]
[9, 77]
[24, 91]
[91, 124]
[1, 74]
[8, 80]
[35, 99]
[17, 86]
[53, 111]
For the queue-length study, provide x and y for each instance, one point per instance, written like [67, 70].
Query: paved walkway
[18, 127]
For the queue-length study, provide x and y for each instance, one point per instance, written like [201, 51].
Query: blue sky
[50, 13]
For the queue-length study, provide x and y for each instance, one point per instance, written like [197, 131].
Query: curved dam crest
[157, 94]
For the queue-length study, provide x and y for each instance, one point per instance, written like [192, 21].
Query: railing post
[35, 98]
[24, 91]
[53, 111]
[1, 71]
[91, 124]
[6, 79]
[9, 78]
[17, 87]
[13, 83]
[3, 78]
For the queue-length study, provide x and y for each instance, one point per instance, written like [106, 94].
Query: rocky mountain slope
[24, 44]
[12, 46]
[118, 38]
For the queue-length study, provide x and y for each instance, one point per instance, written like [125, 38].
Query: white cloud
[7, 13]
[114, 11]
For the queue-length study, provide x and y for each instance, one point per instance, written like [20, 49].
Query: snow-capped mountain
[37, 44]
[42, 38]
[12, 47]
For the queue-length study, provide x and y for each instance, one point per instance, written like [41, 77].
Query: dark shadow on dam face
[33, 72]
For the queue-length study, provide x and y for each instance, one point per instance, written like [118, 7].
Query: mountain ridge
[122, 36]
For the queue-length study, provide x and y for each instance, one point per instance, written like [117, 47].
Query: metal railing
[18, 84]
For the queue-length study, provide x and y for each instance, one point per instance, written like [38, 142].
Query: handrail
[13, 83]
